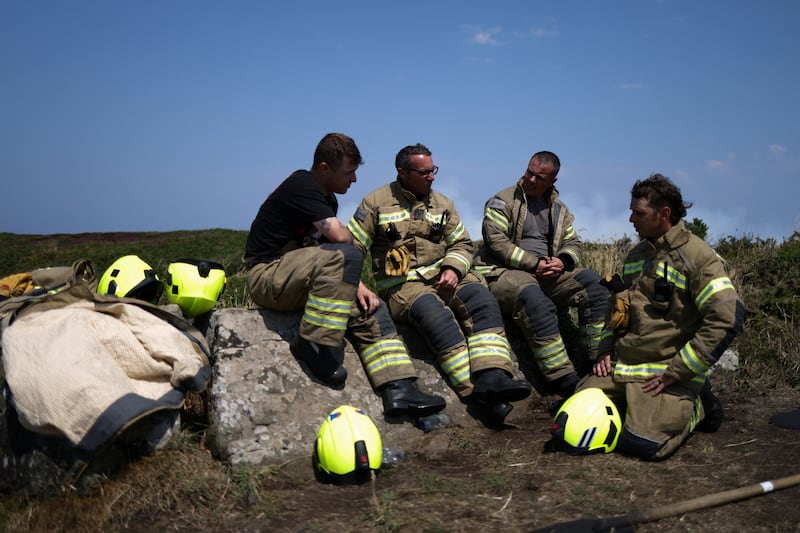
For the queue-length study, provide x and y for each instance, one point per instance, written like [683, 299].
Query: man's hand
[448, 279]
[367, 300]
[549, 267]
[602, 367]
[657, 384]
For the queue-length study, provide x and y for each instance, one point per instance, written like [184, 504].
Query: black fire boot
[713, 409]
[496, 386]
[496, 414]
[401, 397]
[325, 362]
[565, 385]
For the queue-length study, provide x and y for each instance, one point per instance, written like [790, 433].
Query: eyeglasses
[425, 171]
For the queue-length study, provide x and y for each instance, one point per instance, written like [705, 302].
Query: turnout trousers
[653, 426]
[533, 304]
[321, 282]
[463, 327]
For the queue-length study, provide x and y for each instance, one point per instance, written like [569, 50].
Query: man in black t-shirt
[300, 256]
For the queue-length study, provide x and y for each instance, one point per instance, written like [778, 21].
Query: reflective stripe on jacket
[503, 221]
[684, 310]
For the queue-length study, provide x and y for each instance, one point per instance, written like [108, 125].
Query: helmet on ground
[131, 277]
[348, 446]
[588, 422]
[195, 285]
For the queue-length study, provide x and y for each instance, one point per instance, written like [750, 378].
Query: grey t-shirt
[536, 228]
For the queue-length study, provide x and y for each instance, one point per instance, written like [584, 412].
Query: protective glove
[397, 261]
[16, 285]
[620, 314]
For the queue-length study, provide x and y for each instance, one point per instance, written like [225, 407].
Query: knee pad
[353, 261]
[481, 306]
[384, 320]
[596, 294]
[540, 311]
[436, 322]
[631, 444]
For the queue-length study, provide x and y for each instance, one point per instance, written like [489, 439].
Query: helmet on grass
[131, 277]
[348, 446]
[588, 422]
[195, 285]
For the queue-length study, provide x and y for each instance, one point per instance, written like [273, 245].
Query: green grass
[765, 273]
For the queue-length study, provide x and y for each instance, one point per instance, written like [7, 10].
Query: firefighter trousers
[463, 327]
[534, 305]
[321, 281]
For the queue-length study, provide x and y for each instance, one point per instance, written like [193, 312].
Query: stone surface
[264, 404]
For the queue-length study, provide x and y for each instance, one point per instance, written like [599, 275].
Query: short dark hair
[659, 191]
[548, 157]
[403, 157]
[335, 148]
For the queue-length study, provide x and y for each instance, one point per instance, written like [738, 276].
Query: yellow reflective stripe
[488, 345]
[327, 313]
[385, 353]
[632, 268]
[455, 235]
[593, 333]
[641, 370]
[393, 281]
[483, 269]
[459, 258]
[355, 228]
[713, 287]
[673, 276]
[516, 257]
[570, 233]
[695, 418]
[329, 304]
[385, 218]
[496, 217]
[551, 356]
[607, 333]
[325, 321]
[457, 367]
[692, 362]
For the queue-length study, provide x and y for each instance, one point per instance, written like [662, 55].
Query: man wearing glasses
[421, 261]
[529, 257]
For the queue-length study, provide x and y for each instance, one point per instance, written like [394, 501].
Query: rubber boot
[401, 397]
[325, 362]
[565, 385]
[713, 409]
[495, 386]
[496, 414]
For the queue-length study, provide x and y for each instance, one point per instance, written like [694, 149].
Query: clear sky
[164, 115]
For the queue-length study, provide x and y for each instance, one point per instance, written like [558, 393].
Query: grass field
[460, 479]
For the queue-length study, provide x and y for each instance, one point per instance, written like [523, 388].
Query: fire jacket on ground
[534, 303]
[684, 312]
[293, 268]
[463, 327]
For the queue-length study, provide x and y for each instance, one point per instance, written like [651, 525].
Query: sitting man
[529, 256]
[300, 256]
[682, 313]
[421, 259]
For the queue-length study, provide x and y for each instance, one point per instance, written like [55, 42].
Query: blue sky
[167, 115]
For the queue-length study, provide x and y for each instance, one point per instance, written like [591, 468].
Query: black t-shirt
[287, 215]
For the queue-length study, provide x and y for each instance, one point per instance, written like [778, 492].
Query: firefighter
[301, 257]
[679, 312]
[421, 260]
[529, 256]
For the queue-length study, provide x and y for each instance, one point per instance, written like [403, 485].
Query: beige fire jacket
[416, 220]
[684, 310]
[503, 220]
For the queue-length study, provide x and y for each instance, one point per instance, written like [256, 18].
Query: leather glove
[620, 314]
[397, 261]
